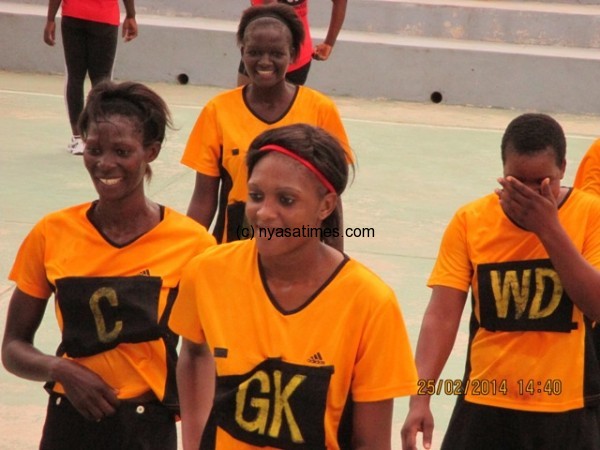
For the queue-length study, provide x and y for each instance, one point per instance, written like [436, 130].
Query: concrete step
[364, 64]
[565, 23]
[515, 22]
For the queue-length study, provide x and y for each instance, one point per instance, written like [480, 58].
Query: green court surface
[416, 164]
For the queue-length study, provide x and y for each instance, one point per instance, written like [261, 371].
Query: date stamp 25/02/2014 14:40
[488, 387]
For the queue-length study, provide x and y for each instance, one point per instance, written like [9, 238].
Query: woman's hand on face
[530, 209]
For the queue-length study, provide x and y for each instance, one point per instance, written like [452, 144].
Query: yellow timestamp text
[475, 387]
[461, 387]
[537, 387]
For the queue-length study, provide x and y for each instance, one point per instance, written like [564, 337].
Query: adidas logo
[316, 359]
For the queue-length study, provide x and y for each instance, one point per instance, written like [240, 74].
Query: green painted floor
[416, 164]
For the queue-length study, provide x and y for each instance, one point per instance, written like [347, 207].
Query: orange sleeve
[204, 146]
[453, 266]
[185, 317]
[29, 270]
[330, 121]
[588, 173]
[385, 366]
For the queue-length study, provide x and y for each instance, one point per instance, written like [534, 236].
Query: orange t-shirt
[286, 378]
[222, 134]
[530, 347]
[100, 303]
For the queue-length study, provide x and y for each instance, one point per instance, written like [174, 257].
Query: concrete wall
[497, 60]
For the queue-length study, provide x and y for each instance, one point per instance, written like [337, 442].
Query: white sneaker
[76, 146]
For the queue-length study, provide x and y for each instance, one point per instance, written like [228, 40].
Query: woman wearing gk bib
[113, 266]
[309, 346]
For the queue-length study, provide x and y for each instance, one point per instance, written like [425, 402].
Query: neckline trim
[310, 298]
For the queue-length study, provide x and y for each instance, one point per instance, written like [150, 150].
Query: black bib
[102, 312]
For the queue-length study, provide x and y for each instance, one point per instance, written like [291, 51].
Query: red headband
[304, 162]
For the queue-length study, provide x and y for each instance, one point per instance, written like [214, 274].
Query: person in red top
[113, 266]
[298, 70]
[89, 32]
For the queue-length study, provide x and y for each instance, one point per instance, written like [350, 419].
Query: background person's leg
[101, 51]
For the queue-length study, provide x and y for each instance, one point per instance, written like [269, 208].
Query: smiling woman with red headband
[309, 346]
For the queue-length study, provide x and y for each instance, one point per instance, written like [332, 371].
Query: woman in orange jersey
[530, 256]
[113, 266]
[269, 37]
[309, 345]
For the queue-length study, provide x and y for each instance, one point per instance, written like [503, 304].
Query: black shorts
[297, 76]
[477, 427]
[135, 426]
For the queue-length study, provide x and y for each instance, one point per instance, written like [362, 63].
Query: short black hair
[128, 99]
[531, 133]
